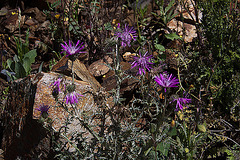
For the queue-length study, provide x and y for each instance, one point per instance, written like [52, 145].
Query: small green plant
[21, 63]
[22, 67]
[166, 13]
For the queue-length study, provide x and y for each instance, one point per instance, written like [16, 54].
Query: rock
[11, 23]
[100, 68]
[190, 30]
[36, 14]
[19, 137]
[3, 11]
[1, 154]
[85, 109]
[23, 135]
[44, 96]
[80, 70]
[188, 24]
[26, 138]
[45, 25]
[128, 56]
[31, 22]
[43, 32]
[109, 81]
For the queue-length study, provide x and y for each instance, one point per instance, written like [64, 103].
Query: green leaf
[55, 4]
[153, 127]
[170, 16]
[31, 55]
[170, 5]
[160, 47]
[172, 132]
[27, 65]
[146, 152]
[172, 36]
[178, 141]
[15, 58]
[19, 70]
[40, 68]
[201, 128]
[108, 26]
[10, 64]
[163, 147]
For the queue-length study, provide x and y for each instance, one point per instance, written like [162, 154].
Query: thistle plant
[72, 52]
[124, 36]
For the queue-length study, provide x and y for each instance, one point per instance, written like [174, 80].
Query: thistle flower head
[71, 48]
[181, 102]
[166, 81]
[43, 109]
[142, 62]
[126, 35]
[72, 97]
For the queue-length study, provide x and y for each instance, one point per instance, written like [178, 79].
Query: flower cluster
[126, 35]
[71, 96]
[142, 62]
[166, 81]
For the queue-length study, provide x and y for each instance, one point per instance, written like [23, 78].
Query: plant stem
[118, 79]
[72, 73]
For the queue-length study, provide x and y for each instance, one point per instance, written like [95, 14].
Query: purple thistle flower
[127, 35]
[72, 97]
[56, 84]
[142, 62]
[43, 109]
[166, 81]
[181, 102]
[72, 49]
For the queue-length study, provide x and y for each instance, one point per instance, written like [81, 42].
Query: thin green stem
[117, 72]
[72, 73]
[142, 90]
